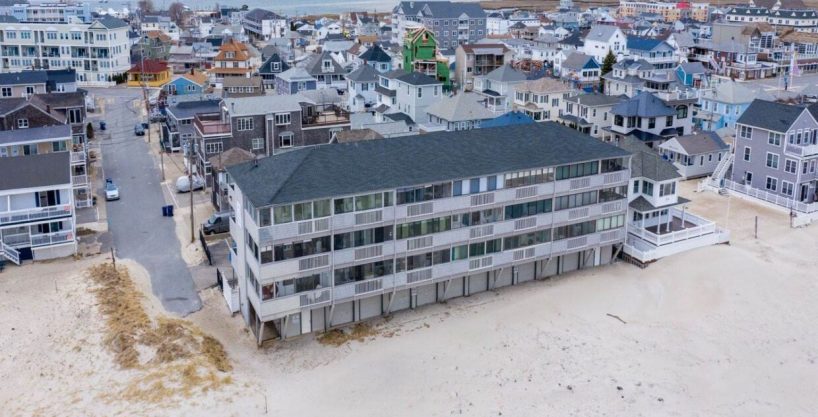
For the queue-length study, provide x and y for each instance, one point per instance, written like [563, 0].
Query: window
[285, 140]
[244, 123]
[213, 147]
[77, 36]
[774, 139]
[282, 119]
[474, 185]
[6, 91]
[772, 183]
[426, 193]
[681, 112]
[302, 248]
[745, 132]
[748, 177]
[747, 153]
[283, 214]
[772, 160]
[635, 186]
[669, 121]
[647, 188]
[667, 189]
[258, 143]
[491, 183]
[786, 188]
[792, 166]
[420, 92]
[652, 123]
[22, 123]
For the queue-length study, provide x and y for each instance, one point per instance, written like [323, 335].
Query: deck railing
[38, 213]
[703, 227]
[786, 202]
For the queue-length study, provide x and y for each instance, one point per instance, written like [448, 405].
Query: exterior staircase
[9, 253]
[715, 179]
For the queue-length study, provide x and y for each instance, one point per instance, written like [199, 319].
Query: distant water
[286, 7]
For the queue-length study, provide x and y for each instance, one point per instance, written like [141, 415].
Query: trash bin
[170, 211]
[101, 125]
[167, 211]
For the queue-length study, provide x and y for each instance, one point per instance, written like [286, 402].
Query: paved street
[139, 230]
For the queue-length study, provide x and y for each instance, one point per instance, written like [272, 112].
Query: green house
[420, 55]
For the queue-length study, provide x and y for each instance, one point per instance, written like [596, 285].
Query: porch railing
[10, 253]
[51, 238]
[786, 202]
[703, 227]
[78, 157]
[38, 213]
[79, 180]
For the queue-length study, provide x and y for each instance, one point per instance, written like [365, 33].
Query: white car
[111, 190]
[183, 183]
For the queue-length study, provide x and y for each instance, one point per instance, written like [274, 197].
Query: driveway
[139, 230]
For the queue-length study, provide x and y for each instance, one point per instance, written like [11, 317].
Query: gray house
[695, 155]
[265, 125]
[776, 153]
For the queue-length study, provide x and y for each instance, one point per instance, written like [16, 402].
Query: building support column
[331, 314]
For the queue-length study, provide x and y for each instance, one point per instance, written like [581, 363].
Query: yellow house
[152, 72]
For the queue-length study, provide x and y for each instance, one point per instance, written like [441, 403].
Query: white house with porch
[37, 218]
[659, 223]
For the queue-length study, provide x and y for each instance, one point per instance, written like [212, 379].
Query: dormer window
[230, 55]
[327, 65]
[276, 66]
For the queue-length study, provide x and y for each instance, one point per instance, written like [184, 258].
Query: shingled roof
[345, 169]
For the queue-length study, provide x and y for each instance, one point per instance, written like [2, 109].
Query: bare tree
[145, 6]
[176, 11]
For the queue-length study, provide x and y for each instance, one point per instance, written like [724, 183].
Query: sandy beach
[719, 331]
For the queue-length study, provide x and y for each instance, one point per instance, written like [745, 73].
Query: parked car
[139, 130]
[111, 190]
[183, 184]
[217, 223]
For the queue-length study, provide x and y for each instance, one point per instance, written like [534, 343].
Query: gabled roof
[267, 66]
[643, 104]
[596, 99]
[34, 171]
[695, 67]
[34, 134]
[375, 54]
[188, 109]
[578, 60]
[296, 74]
[575, 39]
[733, 92]
[197, 77]
[111, 22]
[258, 15]
[416, 78]
[601, 33]
[315, 65]
[345, 169]
[701, 143]
[545, 85]
[459, 108]
[445, 9]
[363, 73]
[230, 157]
[640, 43]
[506, 74]
[23, 77]
[484, 48]
[770, 115]
[646, 163]
[150, 66]
[241, 53]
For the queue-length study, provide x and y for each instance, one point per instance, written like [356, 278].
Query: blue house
[294, 80]
[377, 58]
[509, 119]
[691, 74]
[192, 82]
[722, 105]
[273, 66]
[656, 51]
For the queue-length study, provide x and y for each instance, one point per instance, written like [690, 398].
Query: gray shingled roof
[111, 22]
[363, 74]
[33, 171]
[55, 132]
[646, 163]
[188, 109]
[701, 143]
[344, 169]
[258, 15]
[769, 115]
[375, 54]
[459, 108]
[416, 78]
[643, 104]
[316, 65]
[24, 77]
[596, 99]
[246, 106]
[642, 204]
[506, 74]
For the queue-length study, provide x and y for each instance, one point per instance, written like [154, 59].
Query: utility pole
[148, 106]
[190, 182]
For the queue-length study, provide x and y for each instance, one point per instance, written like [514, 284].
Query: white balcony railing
[702, 227]
[79, 180]
[52, 238]
[801, 150]
[39, 213]
[776, 199]
[77, 158]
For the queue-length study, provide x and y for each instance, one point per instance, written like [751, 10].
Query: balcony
[801, 150]
[52, 238]
[78, 158]
[211, 125]
[34, 214]
[79, 180]
[678, 232]
[324, 115]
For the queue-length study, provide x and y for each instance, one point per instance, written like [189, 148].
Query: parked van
[217, 223]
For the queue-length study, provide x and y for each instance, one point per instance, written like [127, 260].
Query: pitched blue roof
[643, 44]
[509, 119]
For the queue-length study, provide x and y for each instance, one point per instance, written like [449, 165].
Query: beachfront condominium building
[329, 235]
[776, 153]
[670, 11]
[264, 25]
[50, 11]
[452, 23]
[98, 50]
